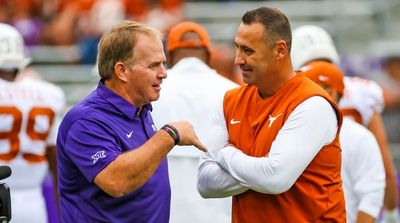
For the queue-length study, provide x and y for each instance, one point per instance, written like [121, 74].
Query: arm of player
[291, 152]
[118, 173]
[363, 217]
[132, 169]
[377, 128]
[212, 180]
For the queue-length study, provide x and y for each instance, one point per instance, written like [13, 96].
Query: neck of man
[276, 79]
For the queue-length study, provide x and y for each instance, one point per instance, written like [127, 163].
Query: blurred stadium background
[62, 35]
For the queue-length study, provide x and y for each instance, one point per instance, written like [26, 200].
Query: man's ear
[121, 71]
[281, 49]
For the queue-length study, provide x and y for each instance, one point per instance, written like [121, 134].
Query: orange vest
[317, 195]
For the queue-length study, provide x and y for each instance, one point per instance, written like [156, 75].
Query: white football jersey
[30, 113]
[361, 99]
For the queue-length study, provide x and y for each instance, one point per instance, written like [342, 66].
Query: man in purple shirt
[111, 158]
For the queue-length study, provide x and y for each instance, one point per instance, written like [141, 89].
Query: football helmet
[311, 42]
[12, 55]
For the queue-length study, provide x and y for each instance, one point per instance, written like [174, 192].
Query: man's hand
[187, 135]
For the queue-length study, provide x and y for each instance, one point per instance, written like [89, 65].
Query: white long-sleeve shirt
[226, 171]
[363, 172]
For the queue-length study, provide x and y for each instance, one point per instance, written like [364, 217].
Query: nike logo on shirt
[129, 134]
[234, 122]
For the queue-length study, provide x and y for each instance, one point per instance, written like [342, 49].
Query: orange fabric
[317, 195]
[353, 113]
[325, 73]
[174, 40]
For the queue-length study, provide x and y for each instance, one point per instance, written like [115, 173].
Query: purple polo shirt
[94, 133]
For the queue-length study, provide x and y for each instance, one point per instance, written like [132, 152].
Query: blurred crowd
[81, 22]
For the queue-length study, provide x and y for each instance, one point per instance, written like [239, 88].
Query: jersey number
[12, 134]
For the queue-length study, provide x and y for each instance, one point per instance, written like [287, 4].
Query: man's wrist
[173, 132]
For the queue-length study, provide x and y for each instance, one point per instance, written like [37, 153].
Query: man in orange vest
[274, 146]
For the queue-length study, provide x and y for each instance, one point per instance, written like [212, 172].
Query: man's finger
[200, 145]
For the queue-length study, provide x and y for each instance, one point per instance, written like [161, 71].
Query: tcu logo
[98, 155]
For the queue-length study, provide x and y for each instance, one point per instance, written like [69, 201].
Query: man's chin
[155, 97]
[247, 80]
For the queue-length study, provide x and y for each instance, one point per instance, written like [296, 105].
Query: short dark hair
[275, 23]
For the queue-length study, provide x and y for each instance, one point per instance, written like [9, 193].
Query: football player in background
[30, 111]
[363, 173]
[362, 100]
[194, 89]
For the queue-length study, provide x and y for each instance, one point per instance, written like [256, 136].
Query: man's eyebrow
[242, 46]
[156, 62]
